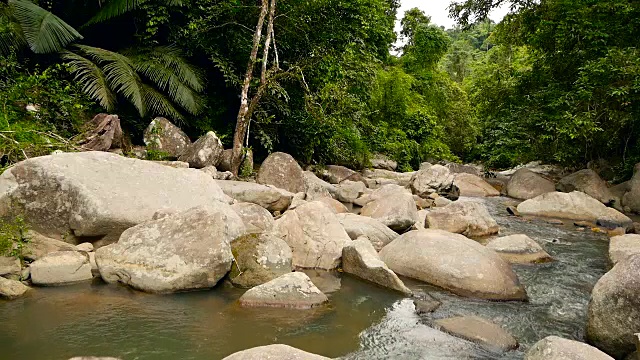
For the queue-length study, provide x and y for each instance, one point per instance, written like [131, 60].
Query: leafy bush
[13, 237]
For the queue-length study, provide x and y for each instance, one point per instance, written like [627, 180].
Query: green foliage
[13, 237]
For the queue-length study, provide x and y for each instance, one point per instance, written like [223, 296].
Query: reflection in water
[361, 322]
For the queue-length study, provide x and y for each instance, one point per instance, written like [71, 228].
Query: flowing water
[361, 322]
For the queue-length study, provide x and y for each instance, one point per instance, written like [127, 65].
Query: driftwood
[103, 133]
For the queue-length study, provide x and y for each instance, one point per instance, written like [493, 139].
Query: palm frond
[172, 58]
[43, 31]
[92, 79]
[11, 35]
[159, 104]
[115, 8]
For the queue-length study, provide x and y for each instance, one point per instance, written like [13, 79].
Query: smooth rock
[61, 268]
[334, 205]
[467, 218]
[259, 258]
[274, 352]
[292, 290]
[335, 174]
[162, 135]
[478, 330]
[10, 265]
[519, 249]
[588, 182]
[256, 219]
[269, 197]
[317, 188]
[11, 289]
[40, 245]
[402, 179]
[185, 251]
[359, 258]
[349, 191]
[453, 262]
[622, 247]
[556, 348]
[86, 247]
[376, 232]
[435, 179]
[314, 234]
[393, 206]
[422, 219]
[282, 171]
[474, 186]
[379, 161]
[441, 201]
[206, 151]
[526, 184]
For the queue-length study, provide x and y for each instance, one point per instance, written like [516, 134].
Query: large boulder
[613, 315]
[206, 151]
[333, 204]
[453, 262]
[292, 290]
[376, 232]
[256, 219]
[317, 188]
[259, 258]
[556, 348]
[526, 184]
[519, 249]
[575, 206]
[359, 258]
[269, 197]
[588, 182]
[393, 206]
[162, 135]
[40, 245]
[622, 247]
[98, 194]
[335, 174]
[348, 191]
[474, 186]
[402, 179]
[434, 179]
[61, 268]
[281, 170]
[275, 352]
[478, 330]
[11, 289]
[379, 161]
[184, 251]
[467, 218]
[314, 234]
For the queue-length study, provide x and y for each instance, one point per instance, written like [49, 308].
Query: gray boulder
[335, 174]
[474, 186]
[256, 219]
[10, 266]
[556, 348]
[269, 197]
[471, 169]
[317, 188]
[519, 249]
[379, 161]
[526, 184]
[393, 206]
[334, 205]
[434, 179]
[292, 290]
[206, 151]
[348, 191]
[217, 175]
[402, 179]
[376, 232]
[40, 245]
[359, 258]
[588, 182]
[162, 135]
[11, 289]
[61, 268]
[467, 218]
[184, 251]
[259, 258]
[453, 262]
[314, 234]
[623, 246]
[275, 352]
[282, 171]
[98, 194]
[478, 330]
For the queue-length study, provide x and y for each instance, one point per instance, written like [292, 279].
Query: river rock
[435, 179]
[275, 352]
[349, 191]
[10, 265]
[556, 348]
[588, 182]
[269, 197]
[317, 188]
[393, 206]
[376, 232]
[474, 186]
[467, 218]
[282, 171]
[61, 268]
[162, 135]
[453, 262]
[206, 151]
[184, 251]
[335, 174]
[314, 234]
[259, 258]
[334, 205]
[526, 184]
[519, 249]
[623, 246]
[478, 330]
[99, 194]
[402, 179]
[292, 290]
[379, 161]
[256, 219]
[40, 245]
[576, 206]
[613, 315]
[359, 258]
[11, 289]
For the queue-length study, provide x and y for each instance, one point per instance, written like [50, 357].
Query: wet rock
[512, 210]
[526, 184]
[86, 247]
[613, 314]
[11, 289]
[519, 249]
[98, 194]
[426, 305]
[282, 171]
[162, 135]
[556, 348]
[575, 206]
[467, 218]
[61, 268]
[376, 232]
[336, 174]
[328, 281]
[206, 151]
[277, 351]
[379, 161]
[269, 197]
[349, 191]
[478, 330]
[588, 182]
[474, 186]
[622, 247]
[10, 265]
[259, 258]
[393, 206]
[359, 258]
[334, 205]
[453, 262]
[292, 290]
[402, 179]
[317, 188]
[314, 234]
[184, 251]
[256, 219]
[435, 179]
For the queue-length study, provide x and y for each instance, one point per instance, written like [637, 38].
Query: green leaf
[115, 8]
[92, 79]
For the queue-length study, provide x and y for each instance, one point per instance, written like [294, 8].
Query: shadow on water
[361, 322]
